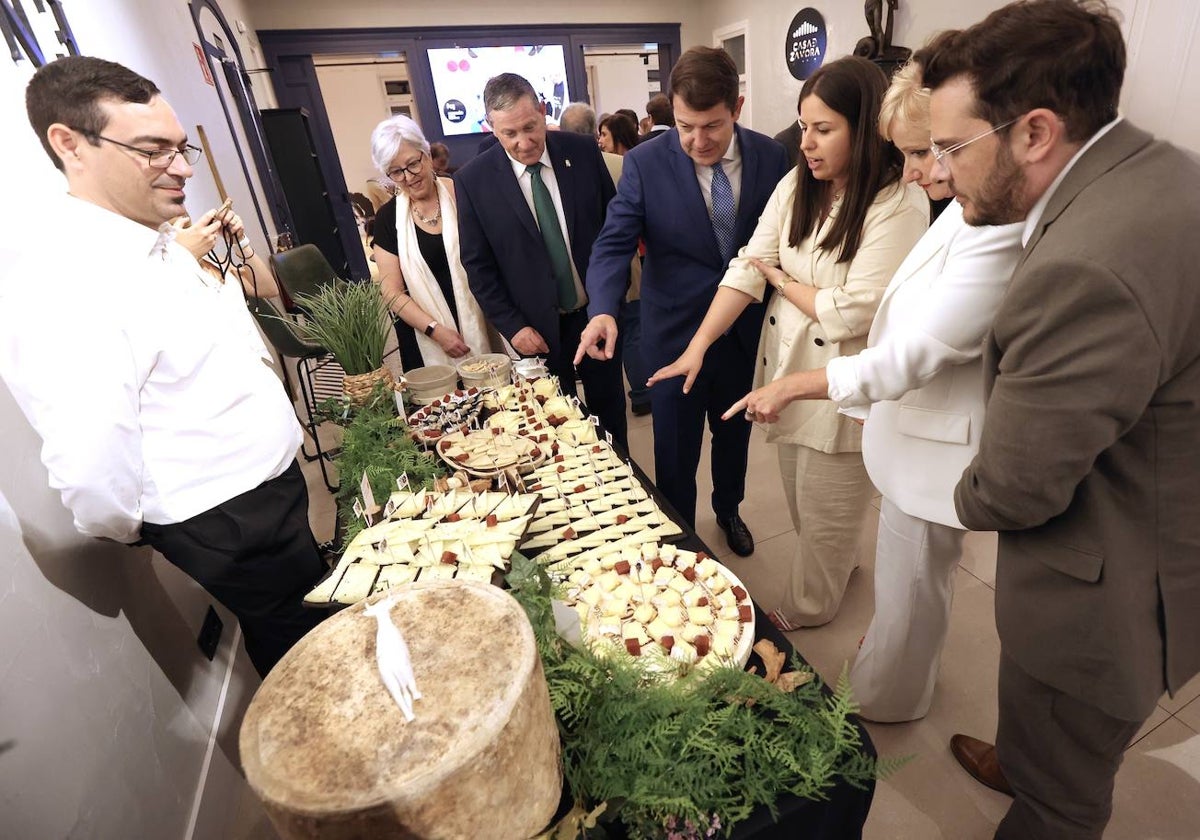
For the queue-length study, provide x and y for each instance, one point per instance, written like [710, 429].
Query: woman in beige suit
[919, 386]
[838, 226]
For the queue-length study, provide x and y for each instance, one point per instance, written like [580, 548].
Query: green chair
[303, 270]
[316, 371]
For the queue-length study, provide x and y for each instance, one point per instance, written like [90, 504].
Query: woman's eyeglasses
[413, 169]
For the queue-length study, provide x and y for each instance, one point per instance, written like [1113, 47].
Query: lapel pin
[567, 161]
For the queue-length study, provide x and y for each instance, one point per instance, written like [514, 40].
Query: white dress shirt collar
[1035, 214]
[520, 169]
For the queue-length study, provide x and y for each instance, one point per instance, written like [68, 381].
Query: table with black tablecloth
[838, 817]
[841, 815]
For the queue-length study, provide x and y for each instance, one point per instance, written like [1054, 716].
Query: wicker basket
[359, 386]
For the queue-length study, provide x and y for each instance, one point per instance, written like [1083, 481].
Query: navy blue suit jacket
[659, 199]
[499, 241]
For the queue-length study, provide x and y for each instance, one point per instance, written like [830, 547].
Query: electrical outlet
[210, 634]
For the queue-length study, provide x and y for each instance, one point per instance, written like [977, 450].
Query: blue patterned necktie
[724, 215]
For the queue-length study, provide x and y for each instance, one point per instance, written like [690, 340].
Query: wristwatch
[432, 326]
[787, 278]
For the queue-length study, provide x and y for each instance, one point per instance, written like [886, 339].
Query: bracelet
[244, 242]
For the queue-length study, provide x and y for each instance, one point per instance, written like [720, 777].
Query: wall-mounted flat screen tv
[459, 74]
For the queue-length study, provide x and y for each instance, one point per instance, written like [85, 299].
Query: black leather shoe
[737, 535]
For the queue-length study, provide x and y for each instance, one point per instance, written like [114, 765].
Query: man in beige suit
[1089, 459]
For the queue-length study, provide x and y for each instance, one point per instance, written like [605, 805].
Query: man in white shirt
[161, 420]
[1087, 464]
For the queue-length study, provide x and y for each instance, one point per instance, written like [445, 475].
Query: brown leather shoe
[979, 759]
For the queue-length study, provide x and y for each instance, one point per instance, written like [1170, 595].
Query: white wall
[1162, 84]
[320, 14]
[107, 706]
[773, 90]
[1162, 87]
[354, 98]
[618, 81]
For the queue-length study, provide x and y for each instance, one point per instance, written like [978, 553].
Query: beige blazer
[920, 374]
[1089, 465]
[848, 296]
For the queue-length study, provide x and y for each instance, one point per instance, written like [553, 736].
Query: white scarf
[423, 287]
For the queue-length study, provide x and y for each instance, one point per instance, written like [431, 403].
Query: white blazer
[920, 373]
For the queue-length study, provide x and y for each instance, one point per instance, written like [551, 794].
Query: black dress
[433, 251]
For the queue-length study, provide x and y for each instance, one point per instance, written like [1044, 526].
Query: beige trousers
[897, 667]
[828, 496]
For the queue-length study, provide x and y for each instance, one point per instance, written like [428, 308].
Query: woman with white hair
[416, 249]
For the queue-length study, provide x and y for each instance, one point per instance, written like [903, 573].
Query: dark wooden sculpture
[878, 45]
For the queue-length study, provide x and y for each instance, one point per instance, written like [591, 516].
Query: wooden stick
[212, 162]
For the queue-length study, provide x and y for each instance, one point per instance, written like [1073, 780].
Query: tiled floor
[931, 798]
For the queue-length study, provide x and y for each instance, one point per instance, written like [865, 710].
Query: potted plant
[352, 321]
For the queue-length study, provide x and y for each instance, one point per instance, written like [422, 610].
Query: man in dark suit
[661, 114]
[694, 195]
[529, 209]
[789, 138]
[1088, 461]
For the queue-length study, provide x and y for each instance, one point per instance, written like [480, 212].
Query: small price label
[368, 495]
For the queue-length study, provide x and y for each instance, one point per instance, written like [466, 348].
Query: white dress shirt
[731, 162]
[144, 376]
[525, 181]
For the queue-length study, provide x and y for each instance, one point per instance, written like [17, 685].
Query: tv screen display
[459, 74]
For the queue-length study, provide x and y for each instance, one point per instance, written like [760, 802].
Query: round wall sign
[804, 46]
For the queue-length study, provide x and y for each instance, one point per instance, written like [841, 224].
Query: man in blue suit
[694, 195]
[529, 209]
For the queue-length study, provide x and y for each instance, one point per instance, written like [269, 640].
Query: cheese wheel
[330, 754]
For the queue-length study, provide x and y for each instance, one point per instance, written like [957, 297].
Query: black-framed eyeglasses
[156, 158]
[942, 156]
[413, 169]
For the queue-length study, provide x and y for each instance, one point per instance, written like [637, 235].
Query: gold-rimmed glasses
[942, 155]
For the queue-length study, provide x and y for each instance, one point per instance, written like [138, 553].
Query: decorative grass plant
[350, 320]
[688, 757]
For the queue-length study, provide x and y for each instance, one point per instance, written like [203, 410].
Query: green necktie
[552, 235]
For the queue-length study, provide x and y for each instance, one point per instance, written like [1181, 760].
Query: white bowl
[487, 370]
[425, 384]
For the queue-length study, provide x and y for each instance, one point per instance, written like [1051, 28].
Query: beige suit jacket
[848, 296]
[1089, 465]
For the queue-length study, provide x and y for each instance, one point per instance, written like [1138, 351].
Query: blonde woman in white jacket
[919, 386]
